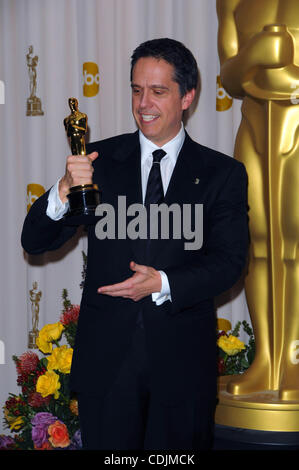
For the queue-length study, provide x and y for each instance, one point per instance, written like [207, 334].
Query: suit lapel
[125, 170]
[127, 182]
[186, 173]
[184, 186]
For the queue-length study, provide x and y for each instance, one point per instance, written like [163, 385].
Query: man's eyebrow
[161, 87]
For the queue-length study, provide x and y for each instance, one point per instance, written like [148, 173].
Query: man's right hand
[78, 170]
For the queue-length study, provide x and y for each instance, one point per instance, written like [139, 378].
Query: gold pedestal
[32, 336]
[261, 411]
[34, 107]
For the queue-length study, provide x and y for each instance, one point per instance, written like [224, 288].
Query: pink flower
[27, 363]
[70, 315]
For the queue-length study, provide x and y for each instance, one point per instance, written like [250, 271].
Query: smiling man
[144, 363]
[157, 102]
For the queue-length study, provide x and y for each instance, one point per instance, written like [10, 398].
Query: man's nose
[144, 100]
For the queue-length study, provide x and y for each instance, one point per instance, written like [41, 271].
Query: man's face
[156, 101]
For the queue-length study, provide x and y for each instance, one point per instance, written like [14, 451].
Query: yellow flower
[61, 359]
[47, 334]
[230, 345]
[48, 384]
[223, 325]
[16, 424]
[65, 359]
[53, 360]
[43, 345]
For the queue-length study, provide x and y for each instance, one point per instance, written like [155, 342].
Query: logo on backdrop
[2, 92]
[223, 100]
[34, 191]
[91, 79]
[34, 104]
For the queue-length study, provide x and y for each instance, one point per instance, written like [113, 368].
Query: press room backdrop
[82, 48]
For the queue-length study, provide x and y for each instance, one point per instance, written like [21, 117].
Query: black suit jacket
[181, 334]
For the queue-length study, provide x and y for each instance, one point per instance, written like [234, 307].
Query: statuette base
[83, 200]
[34, 107]
[32, 336]
[262, 411]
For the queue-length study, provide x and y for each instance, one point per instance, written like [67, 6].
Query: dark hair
[176, 54]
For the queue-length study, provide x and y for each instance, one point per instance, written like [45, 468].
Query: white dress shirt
[56, 209]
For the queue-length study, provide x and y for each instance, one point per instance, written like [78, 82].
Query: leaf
[43, 362]
[236, 330]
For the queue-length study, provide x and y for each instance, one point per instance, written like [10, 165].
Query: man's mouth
[149, 117]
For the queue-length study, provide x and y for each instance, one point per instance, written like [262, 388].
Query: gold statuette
[259, 55]
[34, 105]
[83, 199]
[35, 296]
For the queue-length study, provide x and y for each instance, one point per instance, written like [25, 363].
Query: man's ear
[187, 99]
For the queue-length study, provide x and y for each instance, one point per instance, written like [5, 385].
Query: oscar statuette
[83, 199]
[35, 296]
[34, 104]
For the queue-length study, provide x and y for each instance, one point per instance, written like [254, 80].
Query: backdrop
[82, 49]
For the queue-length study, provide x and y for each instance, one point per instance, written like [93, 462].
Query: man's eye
[135, 91]
[158, 92]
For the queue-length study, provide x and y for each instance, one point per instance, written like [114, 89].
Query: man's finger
[139, 268]
[114, 287]
[118, 293]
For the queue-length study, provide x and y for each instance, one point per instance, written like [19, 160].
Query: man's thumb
[139, 268]
[93, 156]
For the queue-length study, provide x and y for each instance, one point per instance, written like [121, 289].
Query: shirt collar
[172, 148]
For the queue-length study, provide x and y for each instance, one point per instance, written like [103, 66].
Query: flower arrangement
[44, 416]
[234, 356]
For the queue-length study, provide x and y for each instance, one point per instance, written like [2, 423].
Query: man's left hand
[144, 281]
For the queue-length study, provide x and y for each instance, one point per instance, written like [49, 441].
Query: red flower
[221, 366]
[59, 436]
[13, 402]
[221, 333]
[38, 373]
[45, 446]
[70, 315]
[36, 400]
[22, 378]
[27, 363]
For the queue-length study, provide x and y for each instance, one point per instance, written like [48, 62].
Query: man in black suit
[144, 363]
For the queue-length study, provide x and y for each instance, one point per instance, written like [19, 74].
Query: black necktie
[154, 189]
[154, 195]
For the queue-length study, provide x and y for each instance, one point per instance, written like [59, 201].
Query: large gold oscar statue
[258, 45]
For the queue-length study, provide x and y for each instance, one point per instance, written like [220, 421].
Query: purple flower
[76, 442]
[39, 435]
[40, 423]
[43, 419]
[6, 442]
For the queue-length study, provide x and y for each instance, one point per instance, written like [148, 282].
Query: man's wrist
[63, 190]
[164, 294]
[56, 208]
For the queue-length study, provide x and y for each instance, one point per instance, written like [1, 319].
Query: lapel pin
[196, 181]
